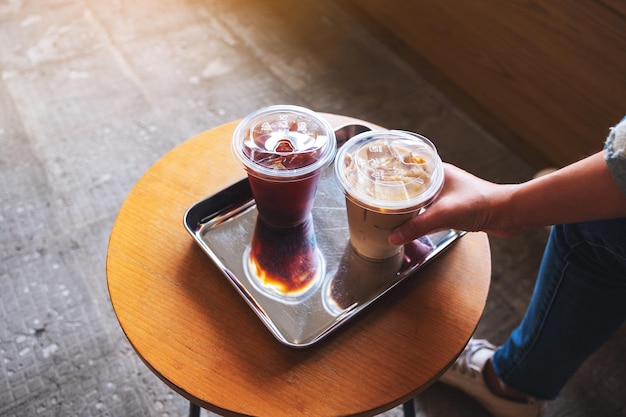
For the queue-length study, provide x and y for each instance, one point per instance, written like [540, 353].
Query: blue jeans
[579, 301]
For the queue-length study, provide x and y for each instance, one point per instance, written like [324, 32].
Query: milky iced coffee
[284, 150]
[387, 178]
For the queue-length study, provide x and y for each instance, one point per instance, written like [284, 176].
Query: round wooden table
[191, 327]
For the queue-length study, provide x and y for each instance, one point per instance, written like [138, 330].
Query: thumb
[413, 228]
[398, 238]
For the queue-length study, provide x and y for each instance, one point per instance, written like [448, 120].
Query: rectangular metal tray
[223, 225]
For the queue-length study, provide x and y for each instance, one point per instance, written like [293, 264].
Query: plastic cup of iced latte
[388, 176]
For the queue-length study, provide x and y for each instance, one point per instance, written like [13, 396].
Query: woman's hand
[466, 203]
[582, 191]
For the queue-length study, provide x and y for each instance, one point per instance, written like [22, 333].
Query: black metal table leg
[194, 410]
[409, 408]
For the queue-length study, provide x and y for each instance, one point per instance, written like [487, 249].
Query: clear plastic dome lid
[284, 141]
[392, 171]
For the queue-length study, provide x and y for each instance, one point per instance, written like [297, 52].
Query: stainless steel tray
[224, 224]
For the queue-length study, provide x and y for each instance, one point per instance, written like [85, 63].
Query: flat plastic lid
[284, 141]
[390, 170]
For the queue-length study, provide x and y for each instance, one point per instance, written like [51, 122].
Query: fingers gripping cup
[387, 178]
[284, 150]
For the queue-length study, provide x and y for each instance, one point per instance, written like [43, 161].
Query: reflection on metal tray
[343, 283]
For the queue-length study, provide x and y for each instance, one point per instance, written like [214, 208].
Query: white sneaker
[466, 375]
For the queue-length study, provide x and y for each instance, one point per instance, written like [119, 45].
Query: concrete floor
[93, 92]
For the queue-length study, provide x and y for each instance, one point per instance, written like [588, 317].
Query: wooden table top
[190, 326]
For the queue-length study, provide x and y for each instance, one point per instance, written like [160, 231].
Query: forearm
[583, 191]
